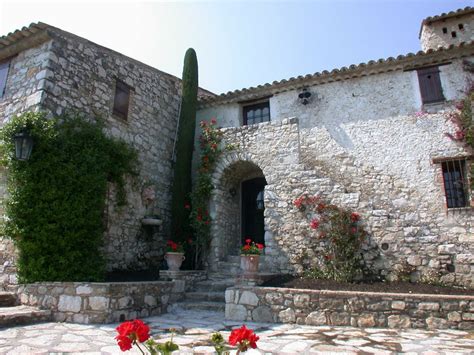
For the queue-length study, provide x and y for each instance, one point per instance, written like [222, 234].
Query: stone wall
[81, 78]
[364, 144]
[433, 37]
[357, 309]
[79, 302]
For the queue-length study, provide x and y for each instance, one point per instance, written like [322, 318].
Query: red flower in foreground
[354, 217]
[243, 338]
[314, 224]
[130, 332]
[246, 247]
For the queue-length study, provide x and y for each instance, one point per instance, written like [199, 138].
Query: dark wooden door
[252, 210]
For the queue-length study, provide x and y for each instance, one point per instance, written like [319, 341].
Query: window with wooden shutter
[3, 77]
[430, 85]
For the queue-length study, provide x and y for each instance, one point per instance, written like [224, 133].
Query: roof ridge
[326, 73]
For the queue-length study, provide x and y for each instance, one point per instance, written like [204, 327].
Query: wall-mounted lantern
[23, 145]
[304, 96]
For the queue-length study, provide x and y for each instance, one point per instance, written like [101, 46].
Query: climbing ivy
[54, 212]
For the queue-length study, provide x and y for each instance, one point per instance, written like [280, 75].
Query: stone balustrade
[359, 309]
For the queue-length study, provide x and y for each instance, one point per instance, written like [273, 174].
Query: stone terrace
[194, 328]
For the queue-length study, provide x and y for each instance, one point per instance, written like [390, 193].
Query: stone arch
[225, 204]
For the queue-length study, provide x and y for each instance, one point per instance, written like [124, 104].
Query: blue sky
[240, 43]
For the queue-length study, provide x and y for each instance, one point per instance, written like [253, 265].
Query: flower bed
[359, 309]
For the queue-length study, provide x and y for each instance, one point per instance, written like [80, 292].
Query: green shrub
[57, 197]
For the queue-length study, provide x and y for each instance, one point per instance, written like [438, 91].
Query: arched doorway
[237, 209]
[252, 210]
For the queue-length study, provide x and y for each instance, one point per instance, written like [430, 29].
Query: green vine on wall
[200, 220]
[57, 198]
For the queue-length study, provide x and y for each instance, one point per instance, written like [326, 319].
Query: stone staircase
[209, 294]
[12, 314]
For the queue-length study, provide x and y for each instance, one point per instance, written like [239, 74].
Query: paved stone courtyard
[193, 329]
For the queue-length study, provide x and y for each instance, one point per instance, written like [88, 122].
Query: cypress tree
[182, 183]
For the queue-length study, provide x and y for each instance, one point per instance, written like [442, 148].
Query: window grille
[455, 183]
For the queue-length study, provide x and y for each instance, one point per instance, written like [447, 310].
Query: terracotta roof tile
[381, 65]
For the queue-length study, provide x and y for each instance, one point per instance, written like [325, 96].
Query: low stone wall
[187, 277]
[80, 302]
[358, 309]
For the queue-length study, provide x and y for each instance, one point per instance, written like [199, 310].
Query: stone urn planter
[249, 264]
[174, 260]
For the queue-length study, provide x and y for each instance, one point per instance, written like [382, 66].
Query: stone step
[204, 306]
[8, 299]
[205, 296]
[214, 285]
[21, 315]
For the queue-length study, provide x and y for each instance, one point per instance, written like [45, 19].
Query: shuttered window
[3, 77]
[455, 183]
[430, 85]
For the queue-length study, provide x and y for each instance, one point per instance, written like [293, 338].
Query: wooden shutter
[430, 85]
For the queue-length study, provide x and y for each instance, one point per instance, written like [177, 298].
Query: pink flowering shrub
[340, 237]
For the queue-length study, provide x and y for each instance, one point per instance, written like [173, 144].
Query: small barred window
[456, 186]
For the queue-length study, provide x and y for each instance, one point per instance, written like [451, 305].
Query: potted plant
[250, 256]
[174, 255]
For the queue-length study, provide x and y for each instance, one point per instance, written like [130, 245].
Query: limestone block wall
[357, 309]
[367, 144]
[80, 302]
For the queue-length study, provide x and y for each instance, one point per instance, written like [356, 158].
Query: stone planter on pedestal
[174, 260]
[249, 264]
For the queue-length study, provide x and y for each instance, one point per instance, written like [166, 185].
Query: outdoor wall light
[304, 96]
[23, 145]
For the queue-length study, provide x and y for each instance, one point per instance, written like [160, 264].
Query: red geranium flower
[248, 241]
[130, 332]
[244, 338]
[246, 247]
[260, 246]
[354, 217]
[314, 224]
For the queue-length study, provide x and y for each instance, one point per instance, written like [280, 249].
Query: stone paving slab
[193, 330]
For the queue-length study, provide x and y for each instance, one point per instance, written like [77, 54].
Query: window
[445, 30]
[121, 100]
[430, 85]
[3, 77]
[461, 26]
[257, 113]
[455, 183]
[453, 34]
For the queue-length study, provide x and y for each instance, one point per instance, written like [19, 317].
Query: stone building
[369, 137]
[45, 68]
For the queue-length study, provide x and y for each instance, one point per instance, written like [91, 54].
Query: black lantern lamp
[23, 145]
[260, 202]
[304, 96]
